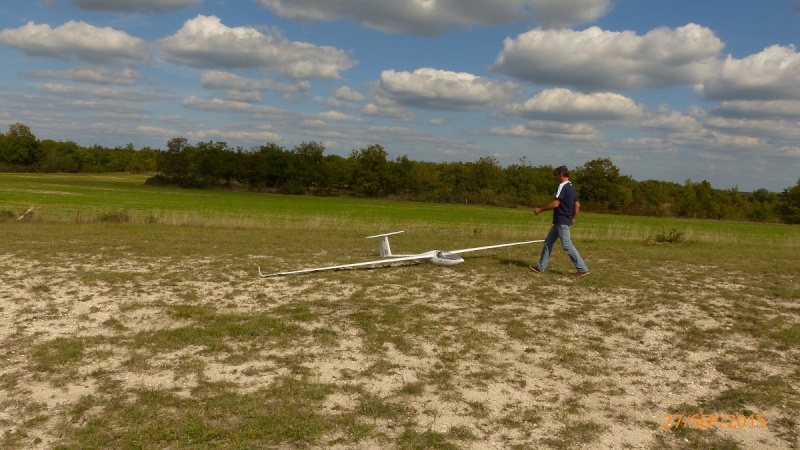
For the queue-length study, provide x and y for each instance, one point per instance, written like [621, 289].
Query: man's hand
[548, 207]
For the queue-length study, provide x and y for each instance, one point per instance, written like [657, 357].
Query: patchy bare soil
[460, 357]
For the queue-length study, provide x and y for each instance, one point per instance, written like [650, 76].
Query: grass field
[133, 317]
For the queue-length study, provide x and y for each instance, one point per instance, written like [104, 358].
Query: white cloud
[262, 137]
[715, 156]
[783, 132]
[60, 89]
[595, 60]
[430, 17]
[347, 94]
[772, 74]
[128, 6]
[561, 13]
[667, 120]
[127, 95]
[562, 113]
[384, 107]
[101, 93]
[246, 89]
[337, 116]
[133, 131]
[771, 109]
[561, 104]
[344, 97]
[790, 152]
[678, 129]
[76, 40]
[204, 42]
[229, 106]
[654, 145]
[92, 74]
[444, 90]
[551, 130]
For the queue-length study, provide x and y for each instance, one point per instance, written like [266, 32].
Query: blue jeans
[560, 232]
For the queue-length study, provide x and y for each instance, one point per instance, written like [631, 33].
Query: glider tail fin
[383, 245]
[385, 249]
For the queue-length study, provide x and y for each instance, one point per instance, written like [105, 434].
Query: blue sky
[677, 90]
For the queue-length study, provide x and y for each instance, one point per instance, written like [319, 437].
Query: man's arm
[548, 207]
[577, 210]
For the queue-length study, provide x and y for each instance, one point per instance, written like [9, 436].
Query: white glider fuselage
[435, 257]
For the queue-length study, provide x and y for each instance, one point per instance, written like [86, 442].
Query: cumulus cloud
[204, 42]
[444, 90]
[789, 152]
[129, 6]
[769, 130]
[565, 105]
[102, 93]
[232, 106]
[771, 109]
[245, 89]
[772, 74]
[91, 74]
[565, 114]
[596, 60]
[560, 13]
[344, 96]
[385, 107]
[60, 89]
[337, 116]
[263, 136]
[668, 121]
[347, 94]
[551, 130]
[118, 130]
[76, 40]
[430, 17]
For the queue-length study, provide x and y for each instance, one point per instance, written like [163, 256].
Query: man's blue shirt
[566, 209]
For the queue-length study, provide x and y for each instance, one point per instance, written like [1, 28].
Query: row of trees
[306, 169]
[21, 151]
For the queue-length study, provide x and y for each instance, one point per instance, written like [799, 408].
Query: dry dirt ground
[526, 361]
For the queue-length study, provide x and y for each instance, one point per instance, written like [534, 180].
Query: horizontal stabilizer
[384, 234]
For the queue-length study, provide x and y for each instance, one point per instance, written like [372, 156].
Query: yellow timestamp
[714, 421]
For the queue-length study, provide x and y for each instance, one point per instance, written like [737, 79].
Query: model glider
[436, 257]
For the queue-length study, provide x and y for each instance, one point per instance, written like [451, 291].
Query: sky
[668, 90]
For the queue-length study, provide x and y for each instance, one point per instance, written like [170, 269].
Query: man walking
[565, 209]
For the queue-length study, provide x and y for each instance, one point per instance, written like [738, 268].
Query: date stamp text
[714, 421]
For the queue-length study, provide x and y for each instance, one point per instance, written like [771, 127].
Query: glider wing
[493, 246]
[378, 262]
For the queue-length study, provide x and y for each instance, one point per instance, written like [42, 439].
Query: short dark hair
[562, 170]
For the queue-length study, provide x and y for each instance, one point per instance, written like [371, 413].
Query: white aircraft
[437, 257]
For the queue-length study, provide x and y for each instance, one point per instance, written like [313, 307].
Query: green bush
[118, 216]
[672, 236]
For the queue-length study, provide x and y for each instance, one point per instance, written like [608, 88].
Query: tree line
[307, 170]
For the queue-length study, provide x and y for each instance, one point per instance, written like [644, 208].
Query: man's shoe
[581, 274]
[535, 269]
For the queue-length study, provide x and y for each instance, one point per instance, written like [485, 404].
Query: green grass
[123, 198]
[133, 317]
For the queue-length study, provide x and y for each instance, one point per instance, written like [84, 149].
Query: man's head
[561, 172]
